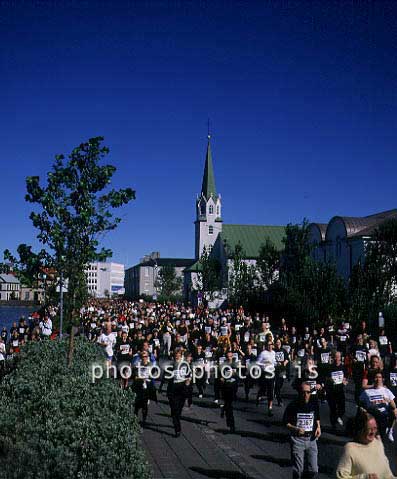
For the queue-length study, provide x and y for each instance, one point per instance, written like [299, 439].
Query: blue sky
[302, 98]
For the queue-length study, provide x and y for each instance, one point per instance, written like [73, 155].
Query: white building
[105, 279]
[342, 241]
[9, 287]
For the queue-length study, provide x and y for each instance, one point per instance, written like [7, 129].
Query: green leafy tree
[268, 264]
[372, 285]
[307, 291]
[74, 209]
[243, 280]
[209, 276]
[168, 282]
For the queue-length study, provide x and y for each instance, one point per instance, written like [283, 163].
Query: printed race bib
[343, 339]
[312, 386]
[305, 421]
[246, 337]
[156, 342]
[262, 338]
[393, 379]
[208, 329]
[383, 340]
[279, 357]
[361, 356]
[325, 357]
[222, 360]
[124, 348]
[337, 377]
[301, 353]
[287, 347]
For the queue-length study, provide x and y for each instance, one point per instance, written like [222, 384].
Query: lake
[9, 314]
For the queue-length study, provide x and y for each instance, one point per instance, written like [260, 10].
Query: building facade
[141, 279]
[343, 240]
[105, 279]
[9, 287]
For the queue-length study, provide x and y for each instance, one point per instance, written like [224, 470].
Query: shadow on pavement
[220, 474]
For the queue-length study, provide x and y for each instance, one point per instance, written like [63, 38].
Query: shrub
[56, 423]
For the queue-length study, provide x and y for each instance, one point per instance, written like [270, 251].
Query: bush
[56, 423]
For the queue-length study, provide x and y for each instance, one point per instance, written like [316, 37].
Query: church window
[210, 230]
[211, 210]
[202, 209]
[217, 210]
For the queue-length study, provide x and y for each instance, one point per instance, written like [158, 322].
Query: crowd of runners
[153, 347]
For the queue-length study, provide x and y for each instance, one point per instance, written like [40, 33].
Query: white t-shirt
[267, 358]
[109, 340]
[46, 327]
[2, 351]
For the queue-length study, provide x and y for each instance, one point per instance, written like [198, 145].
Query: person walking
[335, 383]
[229, 384]
[302, 418]
[177, 389]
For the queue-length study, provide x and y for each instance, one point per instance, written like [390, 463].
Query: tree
[209, 280]
[268, 264]
[372, 285]
[168, 282]
[74, 211]
[307, 291]
[243, 280]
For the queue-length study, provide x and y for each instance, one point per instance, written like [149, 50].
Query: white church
[221, 239]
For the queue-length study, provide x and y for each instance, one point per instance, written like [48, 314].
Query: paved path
[259, 448]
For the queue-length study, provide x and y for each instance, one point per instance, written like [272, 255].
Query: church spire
[208, 185]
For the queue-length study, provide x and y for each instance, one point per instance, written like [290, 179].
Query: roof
[194, 268]
[208, 187]
[322, 227]
[365, 225]
[9, 278]
[175, 262]
[251, 237]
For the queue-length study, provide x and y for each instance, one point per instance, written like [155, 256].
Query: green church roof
[251, 238]
[208, 186]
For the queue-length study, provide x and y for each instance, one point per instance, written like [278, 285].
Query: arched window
[211, 210]
[210, 230]
[202, 209]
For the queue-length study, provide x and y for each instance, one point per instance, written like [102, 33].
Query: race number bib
[124, 348]
[305, 421]
[208, 329]
[246, 337]
[222, 360]
[383, 340]
[287, 347]
[279, 357]
[325, 357]
[361, 356]
[393, 379]
[312, 386]
[262, 337]
[301, 353]
[235, 357]
[156, 342]
[343, 339]
[337, 377]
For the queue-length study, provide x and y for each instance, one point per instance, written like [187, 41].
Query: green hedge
[56, 423]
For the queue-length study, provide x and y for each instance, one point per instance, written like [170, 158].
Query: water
[9, 314]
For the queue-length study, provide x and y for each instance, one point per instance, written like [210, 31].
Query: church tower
[208, 209]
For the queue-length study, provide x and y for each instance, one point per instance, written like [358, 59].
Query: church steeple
[208, 187]
[208, 208]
